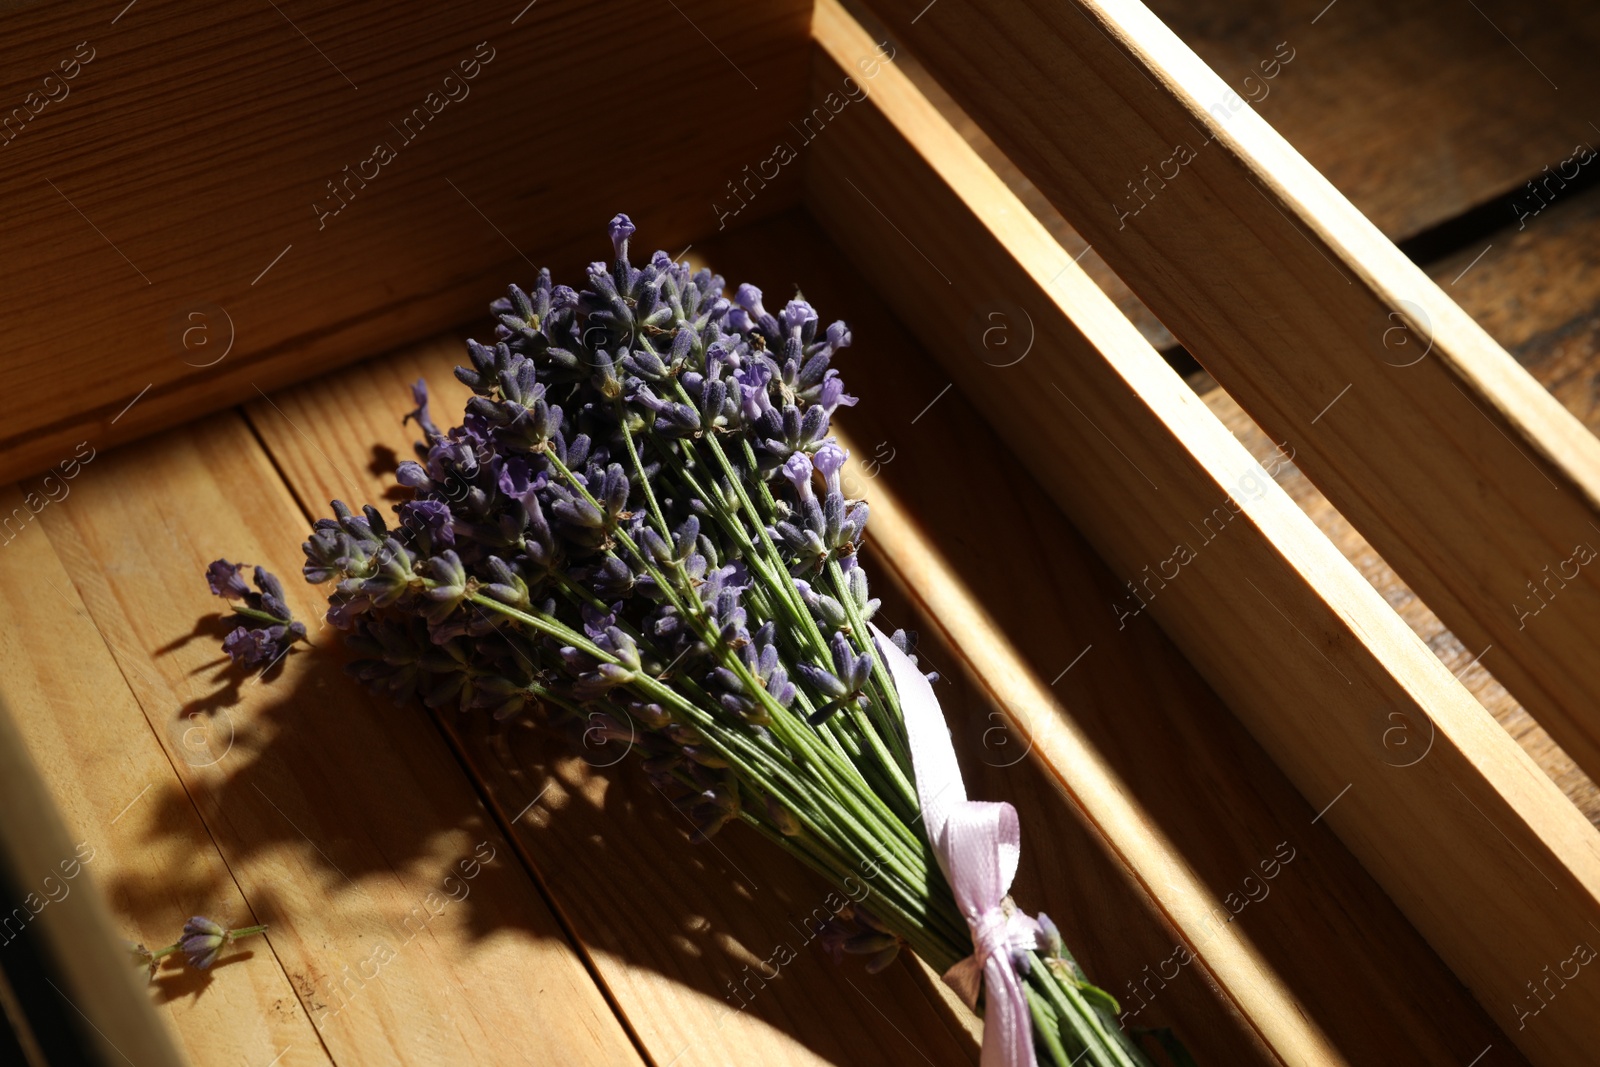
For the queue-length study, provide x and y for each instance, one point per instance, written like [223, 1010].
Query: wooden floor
[590, 931]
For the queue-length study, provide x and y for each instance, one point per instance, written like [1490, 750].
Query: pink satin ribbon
[979, 844]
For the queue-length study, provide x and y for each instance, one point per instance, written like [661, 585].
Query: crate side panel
[240, 195]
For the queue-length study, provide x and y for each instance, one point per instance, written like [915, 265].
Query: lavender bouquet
[638, 530]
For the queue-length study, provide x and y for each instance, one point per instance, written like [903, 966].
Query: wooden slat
[1536, 290]
[1415, 114]
[115, 784]
[1459, 468]
[343, 822]
[176, 179]
[1473, 666]
[1533, 289]
[1466, 839]
[1026, 191]
[668, 924]
[1418, 111]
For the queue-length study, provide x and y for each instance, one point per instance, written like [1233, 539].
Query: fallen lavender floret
[202, 941]
[639, 530]
[266, 625]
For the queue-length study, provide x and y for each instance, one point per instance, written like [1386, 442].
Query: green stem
[866, 813]
[731, 745]
[1081, 1019]
[771, 574]
[938, 950]
[638, 465]
[260, 616]
[1046, 1026]
[894, 767]
[838, 806]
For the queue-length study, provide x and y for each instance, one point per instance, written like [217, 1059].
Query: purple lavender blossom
[201, 941]
[223, 577]
[659, 353]
[267, 628]
[424, 421]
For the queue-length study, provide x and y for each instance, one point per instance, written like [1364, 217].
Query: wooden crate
[1261, 808]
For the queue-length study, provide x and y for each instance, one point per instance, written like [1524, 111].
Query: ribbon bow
[978, 844]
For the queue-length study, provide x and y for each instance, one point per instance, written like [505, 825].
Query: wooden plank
[113, 781]
[143, 181]
[1417, 111]
[1536, 290]
[1159, 767]
[407, 929]
[678, 933]
[1348, 100]
[1473, 666]
[1285, 630]
[1458, 467]
[1025, 190]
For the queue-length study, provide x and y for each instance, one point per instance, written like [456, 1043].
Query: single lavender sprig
[202, 941]
[639, 530]
[267, 628]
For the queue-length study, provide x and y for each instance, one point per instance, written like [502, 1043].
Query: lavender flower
[201, 941]
[267, 627]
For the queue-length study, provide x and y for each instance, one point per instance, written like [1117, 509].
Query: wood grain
[1458, 467]
[175, 179]
[114, 782]
[1276, 619]
[1417, 110]
[1069, 238]
[1536, 289]
[1533, 288]
[408, 931]
[1473, 666]
[1414, 113]
[677, 932]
